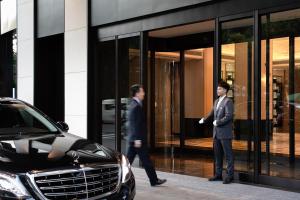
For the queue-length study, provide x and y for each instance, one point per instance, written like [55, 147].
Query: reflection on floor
[282, 168]
[278, 145]
[202, 165]
[199, 164]
[194, 165]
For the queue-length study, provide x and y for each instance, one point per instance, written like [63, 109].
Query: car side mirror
[63, 125]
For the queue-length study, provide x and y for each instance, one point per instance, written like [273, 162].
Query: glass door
[106, 98]
[167, 99]
[237, 70]
[129, 74]
[117, 68]
[198, 99]
[181, 75]
[280, 84]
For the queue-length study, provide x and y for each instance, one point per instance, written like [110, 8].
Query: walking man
[137, 134]
[222, 117]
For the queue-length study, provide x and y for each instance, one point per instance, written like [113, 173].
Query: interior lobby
[181, 67]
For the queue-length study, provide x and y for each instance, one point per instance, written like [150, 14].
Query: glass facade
[129, 74]
[8, 48]
[237, 70]
[107, 93]
[118, 64]
[280, 61]
[8, 64]
[256, 53]
[180, 77]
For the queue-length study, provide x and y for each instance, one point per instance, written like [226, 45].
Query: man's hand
[215, 123]
[201, 121]
[137, 143]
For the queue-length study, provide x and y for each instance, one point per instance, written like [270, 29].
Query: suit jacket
[137, 128]
[224, 117]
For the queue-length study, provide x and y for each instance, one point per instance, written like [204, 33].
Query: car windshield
[18, 118]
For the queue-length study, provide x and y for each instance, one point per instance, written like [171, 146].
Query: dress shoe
[215, 178]
[228, 180]
[159, 182]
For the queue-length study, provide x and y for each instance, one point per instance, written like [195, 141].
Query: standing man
[137, 132]
[222, 117]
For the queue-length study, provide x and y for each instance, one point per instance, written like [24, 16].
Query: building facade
[76, 60]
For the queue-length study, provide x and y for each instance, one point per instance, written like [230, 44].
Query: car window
[20, 118]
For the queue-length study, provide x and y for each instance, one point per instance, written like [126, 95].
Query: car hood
[51, 151]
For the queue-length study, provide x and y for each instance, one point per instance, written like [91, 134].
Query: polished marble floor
[194, 165]
[201, 164]
[278, 145]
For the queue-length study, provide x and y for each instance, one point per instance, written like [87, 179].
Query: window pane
[129, 74]
[107, 93]
[181, 82]
[8, 61]
[280, 62]
[237, 71]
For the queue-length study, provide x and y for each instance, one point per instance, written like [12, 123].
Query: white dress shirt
[139, 101]
[219, 102]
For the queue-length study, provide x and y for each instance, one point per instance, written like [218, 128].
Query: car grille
[84, 183]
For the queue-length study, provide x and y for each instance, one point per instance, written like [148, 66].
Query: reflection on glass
[129, 74]
[237, 71]
[280, 61]
[8, 59]
[18, 119]
[129, 69]
[107, 92]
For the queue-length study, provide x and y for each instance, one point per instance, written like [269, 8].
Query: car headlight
[11, 186]
[126, 169]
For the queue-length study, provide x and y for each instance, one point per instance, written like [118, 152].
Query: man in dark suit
[222, 117]
[137, 134]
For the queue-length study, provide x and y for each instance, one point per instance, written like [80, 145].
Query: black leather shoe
[228, 180]
[159, 182]
[216, 178]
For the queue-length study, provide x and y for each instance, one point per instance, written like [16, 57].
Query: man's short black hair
[224, 85]
[135, 89]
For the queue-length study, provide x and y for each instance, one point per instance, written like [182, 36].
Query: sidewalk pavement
[192, 188]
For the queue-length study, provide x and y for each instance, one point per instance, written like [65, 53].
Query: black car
[40, 160]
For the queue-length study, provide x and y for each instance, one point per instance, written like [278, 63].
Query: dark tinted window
[19, 118]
